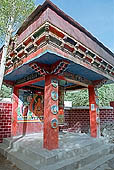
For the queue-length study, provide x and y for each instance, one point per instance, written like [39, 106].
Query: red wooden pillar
[94, 112]
[14, 110]
[50, 113]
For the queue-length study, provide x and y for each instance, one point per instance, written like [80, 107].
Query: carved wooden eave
[68, 44]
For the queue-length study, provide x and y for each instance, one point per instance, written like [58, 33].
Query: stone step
[27, 153]
[80, 161]
[17, 152]
[3, 148]
[73, 152]
[45, 157]
[30, 154]
[7, 141]
[10, 140]
[95, 164]
[21, 161]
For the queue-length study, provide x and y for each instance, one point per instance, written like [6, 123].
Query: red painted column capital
[50, 113]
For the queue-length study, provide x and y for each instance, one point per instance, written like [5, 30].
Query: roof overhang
[46, 40]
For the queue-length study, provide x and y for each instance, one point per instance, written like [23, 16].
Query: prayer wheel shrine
[50, 54]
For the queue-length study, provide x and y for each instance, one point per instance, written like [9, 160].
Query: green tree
[5, 92]
[12, 14]
[106, 94]
[78, 98]
[81, 98]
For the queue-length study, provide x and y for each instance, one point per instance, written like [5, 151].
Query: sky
[97, 16]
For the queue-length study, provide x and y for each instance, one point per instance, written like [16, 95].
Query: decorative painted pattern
[54, 123]
[54, 109]
[30, 106]
[54, 83]
[54, 95]
[56, 68]
[52, 35]
[61, 40]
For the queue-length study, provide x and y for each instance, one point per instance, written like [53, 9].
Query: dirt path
[6, 165]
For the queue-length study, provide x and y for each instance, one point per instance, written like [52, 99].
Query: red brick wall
[22, 128]
[5, 120]
[106, 115]
[74, 115]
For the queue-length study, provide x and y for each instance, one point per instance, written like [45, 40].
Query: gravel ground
[6, 165]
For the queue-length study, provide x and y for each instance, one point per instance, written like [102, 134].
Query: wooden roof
[91, 42]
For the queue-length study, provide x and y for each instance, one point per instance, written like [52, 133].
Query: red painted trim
[40, 40]
[98, 59]
[69, 48]
[8, 63]
[26, 42]
[21, 54]
[56, 32]
[9, 82]
[88, 59]
[82, 48]
[78, 61]
[12, 54]
[103, 67]
[61, 77]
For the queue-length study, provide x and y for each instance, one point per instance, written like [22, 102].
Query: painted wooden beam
[37, 87]
[8, 82]
[99, 83]
[75, 79]
[27, 83]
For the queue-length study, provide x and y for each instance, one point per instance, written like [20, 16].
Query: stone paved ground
[109, 165]
[6, 165]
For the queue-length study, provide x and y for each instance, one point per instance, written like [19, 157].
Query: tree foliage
[78, 98]
[18, 9]
[12, 13]
[5, 92]
[106, 94]
[81, 98]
